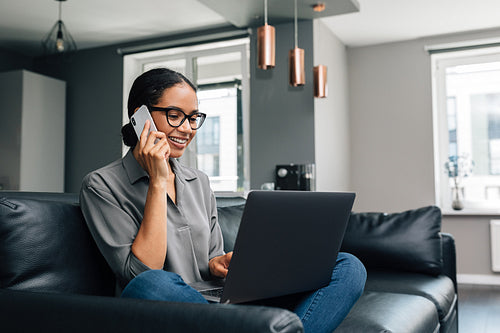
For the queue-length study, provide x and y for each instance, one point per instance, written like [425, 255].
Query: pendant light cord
[60, 10]
[295, 24]
[265, 12]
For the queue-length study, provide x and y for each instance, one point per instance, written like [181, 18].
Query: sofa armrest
[22, 311]
[449, 257]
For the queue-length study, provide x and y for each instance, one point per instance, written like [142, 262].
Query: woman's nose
[185, 127]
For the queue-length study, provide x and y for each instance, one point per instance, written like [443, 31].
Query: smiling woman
[146, 210]
[155, 220]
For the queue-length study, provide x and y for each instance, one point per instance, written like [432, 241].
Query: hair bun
[128, 135]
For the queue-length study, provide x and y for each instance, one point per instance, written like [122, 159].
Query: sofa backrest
[45, 246]
[406, 241]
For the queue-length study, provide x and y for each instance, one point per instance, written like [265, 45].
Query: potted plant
[458, 167]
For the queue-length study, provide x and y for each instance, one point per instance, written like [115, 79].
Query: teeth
[181, 141]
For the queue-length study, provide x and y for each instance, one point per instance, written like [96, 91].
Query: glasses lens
[197, 120]
[175, 117]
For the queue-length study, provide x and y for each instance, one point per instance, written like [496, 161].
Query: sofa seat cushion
[45, 246]
[391, 312]
[439, 290]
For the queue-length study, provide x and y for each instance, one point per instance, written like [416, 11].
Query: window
[220, 71]
[208, 147]
[467, 123]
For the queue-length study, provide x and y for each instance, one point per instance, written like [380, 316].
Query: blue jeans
[320, 311]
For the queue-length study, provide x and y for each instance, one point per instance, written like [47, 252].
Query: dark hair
[147, 90]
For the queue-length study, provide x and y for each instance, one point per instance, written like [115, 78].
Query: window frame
[439, 63]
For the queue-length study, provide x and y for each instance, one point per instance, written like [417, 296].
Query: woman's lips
[178, 142]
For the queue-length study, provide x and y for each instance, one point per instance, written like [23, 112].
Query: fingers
[220, 271]
[153, 144]
[228, 256]
[225, 261]
[219, 265]
[153, 152]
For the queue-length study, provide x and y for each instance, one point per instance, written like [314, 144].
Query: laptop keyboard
[213, 292]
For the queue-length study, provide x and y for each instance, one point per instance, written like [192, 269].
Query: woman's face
[183, 97]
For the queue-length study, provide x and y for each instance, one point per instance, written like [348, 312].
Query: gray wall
[10, 129]
[392, 145]
[10, 60]
[281, 117]
[93, 110]
[391, 126]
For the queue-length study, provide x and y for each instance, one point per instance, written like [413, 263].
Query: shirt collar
[181, 171]
[136, 172]
[133, 168]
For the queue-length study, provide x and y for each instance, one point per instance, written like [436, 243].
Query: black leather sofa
[53, 278]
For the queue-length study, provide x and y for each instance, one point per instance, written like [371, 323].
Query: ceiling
[382, 21]
[24, 23]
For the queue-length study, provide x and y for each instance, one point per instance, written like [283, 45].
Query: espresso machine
[300, 177]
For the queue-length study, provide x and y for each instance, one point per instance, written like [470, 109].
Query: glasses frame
[198, 114]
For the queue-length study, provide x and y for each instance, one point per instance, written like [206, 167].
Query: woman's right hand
[152, 153]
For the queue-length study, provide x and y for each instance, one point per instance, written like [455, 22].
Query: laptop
[287, 243]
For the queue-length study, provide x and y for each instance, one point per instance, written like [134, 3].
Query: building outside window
[220, 72]
[467, 123]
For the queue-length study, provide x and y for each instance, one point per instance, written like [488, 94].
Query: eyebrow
[179, 109]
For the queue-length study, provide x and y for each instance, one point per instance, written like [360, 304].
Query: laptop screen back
[287, 243]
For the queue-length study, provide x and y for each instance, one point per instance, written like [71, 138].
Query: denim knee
[162, 286]
[356, 271]
[153, 276]
[148, 283]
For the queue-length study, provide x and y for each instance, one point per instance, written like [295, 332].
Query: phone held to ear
[139, 118]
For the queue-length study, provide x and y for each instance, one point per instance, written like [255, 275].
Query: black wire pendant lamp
[59, 40]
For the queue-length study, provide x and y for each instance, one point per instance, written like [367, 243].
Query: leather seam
[7, 203]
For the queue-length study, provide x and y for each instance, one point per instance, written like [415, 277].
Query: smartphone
[139, 118]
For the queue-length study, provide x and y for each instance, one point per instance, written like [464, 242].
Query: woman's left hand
[218, 265]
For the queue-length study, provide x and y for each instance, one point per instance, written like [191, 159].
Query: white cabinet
[32, 132]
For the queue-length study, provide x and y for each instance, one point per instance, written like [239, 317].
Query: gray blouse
[113, 199]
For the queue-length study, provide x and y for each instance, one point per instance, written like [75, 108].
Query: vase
[457, 195]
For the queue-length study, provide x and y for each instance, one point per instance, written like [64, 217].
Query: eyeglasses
[176, 117]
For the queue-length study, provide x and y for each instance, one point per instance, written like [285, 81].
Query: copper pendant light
[320, 71]
[297, 76]
[320, 84]
[266, 43]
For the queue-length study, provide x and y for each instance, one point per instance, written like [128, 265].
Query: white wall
[43, 133]
[390, 98]
[331, 114]
[32, 131]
